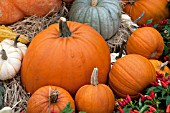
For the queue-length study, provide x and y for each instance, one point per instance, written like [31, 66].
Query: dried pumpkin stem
[94, 77]
[63, 27]
[139, 18]
[94, 3]
[161, 67]
[4, 56]
[16, 41]
[132, 1]
[54, 96]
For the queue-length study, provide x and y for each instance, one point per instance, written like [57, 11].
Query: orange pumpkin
[153, 9]
[130, 75]
[65, 57]
[160, 67]
[14, 10]
[49, 99]
[95, 98]
[145, 41]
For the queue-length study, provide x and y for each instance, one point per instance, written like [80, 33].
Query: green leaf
[67, 109]
[155, 26]
[143, 109]
[126, 110]
[165, 50]
[167, 100]
[163, 93]
[82, 112]
[166, 74]
[140, 103]
[149, 21]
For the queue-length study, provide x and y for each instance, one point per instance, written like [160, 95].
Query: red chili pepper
[121, 110]
[120, 104]
[168, 109]
[148, 97]
[152, 94]
[152, 109]
[164, 84]
[143, 98]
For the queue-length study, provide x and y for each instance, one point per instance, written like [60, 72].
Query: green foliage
[153, 99]
[68, 109]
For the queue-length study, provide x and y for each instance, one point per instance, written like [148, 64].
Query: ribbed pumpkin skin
[153, 9]
[104, 17]
[130, 75]
[145, 41]
[66, 62]
[39, 101]
[14, 10]
[95, 99]
[156, 64]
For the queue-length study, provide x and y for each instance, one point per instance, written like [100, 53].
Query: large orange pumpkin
[145, 41]
[59, 57]
[95, 97]
[49, 99]
[130, 75]
[14, 10]
[156, 10]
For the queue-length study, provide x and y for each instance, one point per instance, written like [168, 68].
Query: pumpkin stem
[94, 77]
[161, 67]
[54, 96]
[121, 50]
[4, 56]
[16, 41]
[63, 27]
[139, 18]
[132, 2]
[153, 54]
[94, 3]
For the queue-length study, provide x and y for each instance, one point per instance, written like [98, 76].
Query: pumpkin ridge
[140, 38]
[12, 67]
[118, 89]
[107, 91]
[133, 36]
[147, 9]
[123, 68]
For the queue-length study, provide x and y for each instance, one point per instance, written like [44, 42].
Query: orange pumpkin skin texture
[130, 75]
[93, 98]
[145, 41]
[14, 10]
[157, 63]
[65, 61]
[39, 101]
[154, 9]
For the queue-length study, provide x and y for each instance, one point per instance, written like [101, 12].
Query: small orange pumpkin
[130, 75]
[153, 9]
[49, 99]
[160, 67]
[95, 98]
[145, 41]
[14, 10]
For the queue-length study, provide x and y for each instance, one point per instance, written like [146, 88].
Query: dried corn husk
[6, 32]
